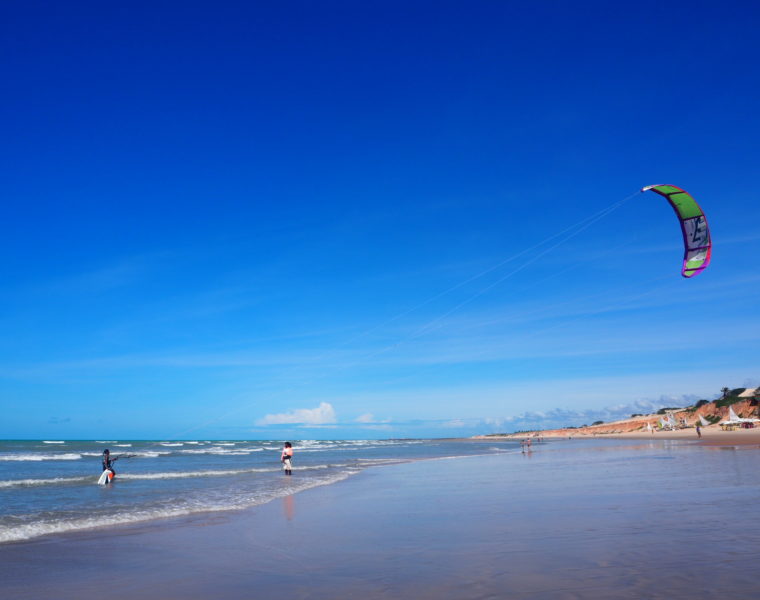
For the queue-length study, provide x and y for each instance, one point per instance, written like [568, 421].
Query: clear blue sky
[305, 219]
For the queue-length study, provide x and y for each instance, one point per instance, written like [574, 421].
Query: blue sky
[334, 219]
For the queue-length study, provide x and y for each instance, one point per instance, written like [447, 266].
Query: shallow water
[49, 486]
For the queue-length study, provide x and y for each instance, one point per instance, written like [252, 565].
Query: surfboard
[104, 479]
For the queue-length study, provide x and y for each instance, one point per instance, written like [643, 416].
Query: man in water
[108, 463]
[286, 457]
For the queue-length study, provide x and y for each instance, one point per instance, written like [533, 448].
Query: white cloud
[494, 422]
[321, 415]
[565, 417]
[454, 423]
[378, 427]
[369, 418]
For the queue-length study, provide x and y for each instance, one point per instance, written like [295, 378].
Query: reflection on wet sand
[289, 507]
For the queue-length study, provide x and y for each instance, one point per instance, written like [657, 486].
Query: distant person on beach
[286, 457]
[699, 432]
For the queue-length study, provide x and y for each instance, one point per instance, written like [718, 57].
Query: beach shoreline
[731, 419]
[712, 435]
[545, 525]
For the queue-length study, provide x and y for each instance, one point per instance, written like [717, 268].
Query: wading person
[108, 464]
[286, 458]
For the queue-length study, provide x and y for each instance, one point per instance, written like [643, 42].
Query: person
[699, 432]
[108, 463]
[286, 458]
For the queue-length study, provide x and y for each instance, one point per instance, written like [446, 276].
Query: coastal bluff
[745, 403]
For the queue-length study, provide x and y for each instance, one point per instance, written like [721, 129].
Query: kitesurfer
[286, 457]
[108, 463]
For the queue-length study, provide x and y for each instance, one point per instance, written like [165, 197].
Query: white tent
[704, 422]
[733, 419]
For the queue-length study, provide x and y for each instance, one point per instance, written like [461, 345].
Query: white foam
[317, 467]
[186, 474]
[170, 444]
[135, 454]
[40, 457]
[508, 450]
[220, 451]
[149, 453]
[9, 483]
[54, 481]
[123, 445]
[49, 442]
[315, 448]
[41, 527]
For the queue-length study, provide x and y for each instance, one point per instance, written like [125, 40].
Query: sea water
[50, 486]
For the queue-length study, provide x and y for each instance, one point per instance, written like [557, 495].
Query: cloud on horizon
[369, 418]
[563, 417]
[324, 414]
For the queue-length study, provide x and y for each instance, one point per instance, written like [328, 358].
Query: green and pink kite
[696, 234]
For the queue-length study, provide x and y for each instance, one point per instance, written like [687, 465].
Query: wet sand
[572, 520]
[712, 435]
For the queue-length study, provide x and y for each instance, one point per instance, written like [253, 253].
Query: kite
[696, 234]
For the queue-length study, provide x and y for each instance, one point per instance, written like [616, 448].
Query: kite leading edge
[696, 234]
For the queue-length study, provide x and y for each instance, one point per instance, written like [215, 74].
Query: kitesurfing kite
[696, 235]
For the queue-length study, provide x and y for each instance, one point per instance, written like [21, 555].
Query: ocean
[50, 486]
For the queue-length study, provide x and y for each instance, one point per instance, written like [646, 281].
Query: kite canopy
[696, 234]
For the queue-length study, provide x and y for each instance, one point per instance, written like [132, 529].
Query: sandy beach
[648, 426]
[580, 519]
[712, 435]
